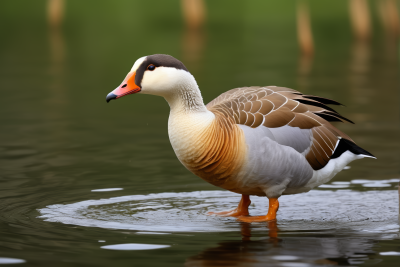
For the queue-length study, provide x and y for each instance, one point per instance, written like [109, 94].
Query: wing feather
[278, 118]
[301, 121]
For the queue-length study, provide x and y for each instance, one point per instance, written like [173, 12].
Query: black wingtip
[347, 145]
[315, 103]
[110, 97]
[323, 100]
[330, 116]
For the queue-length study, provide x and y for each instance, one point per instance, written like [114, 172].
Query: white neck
[189, 118]
[186, 98]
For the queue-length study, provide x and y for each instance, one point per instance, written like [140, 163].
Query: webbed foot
[241, 210]
[271, 216]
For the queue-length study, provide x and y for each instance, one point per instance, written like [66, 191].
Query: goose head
[161, 75]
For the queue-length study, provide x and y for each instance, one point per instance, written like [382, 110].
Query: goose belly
[271, 168]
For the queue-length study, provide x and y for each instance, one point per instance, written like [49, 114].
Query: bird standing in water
[264, 141]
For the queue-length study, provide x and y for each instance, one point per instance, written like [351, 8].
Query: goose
[259, 140]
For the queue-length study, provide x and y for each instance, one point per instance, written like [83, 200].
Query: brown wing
[274, 107]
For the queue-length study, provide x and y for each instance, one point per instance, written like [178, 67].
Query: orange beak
[127, 87]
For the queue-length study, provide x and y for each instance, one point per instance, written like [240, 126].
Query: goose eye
[151, 67]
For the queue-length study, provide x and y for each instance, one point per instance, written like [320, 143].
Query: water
[186, 211]
[85, 183]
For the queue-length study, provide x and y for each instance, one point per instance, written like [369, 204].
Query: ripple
[295, 264]
[377, 184]
[333, 186]
[342, 183]
[151, 233]
[106, 189]
[285, 258]
[134, 246]
[361, 181]
[186, 212]
[20, 153]
[10, 260]
[390, 253]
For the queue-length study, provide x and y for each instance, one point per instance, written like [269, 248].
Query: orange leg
[273, 208]
[241, 210]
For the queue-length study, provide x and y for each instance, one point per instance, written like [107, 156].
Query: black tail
[347, 145]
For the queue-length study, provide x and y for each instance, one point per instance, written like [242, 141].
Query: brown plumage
[274, 107]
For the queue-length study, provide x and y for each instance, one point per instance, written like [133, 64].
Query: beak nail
[110, 97]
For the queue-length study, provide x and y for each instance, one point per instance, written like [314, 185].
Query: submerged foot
[232, 213]
[271, 216]
[251, 219]
[241, 210]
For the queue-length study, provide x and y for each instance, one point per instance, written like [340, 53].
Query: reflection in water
[390, 21]
[360, 53]
[193, 41]
[341, 229]
[290, 249]
[361, 90]
[362, 72]
[55, 14]
[304, 69]
[57, 96]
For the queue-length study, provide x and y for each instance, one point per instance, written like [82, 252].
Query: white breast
[185, 131]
